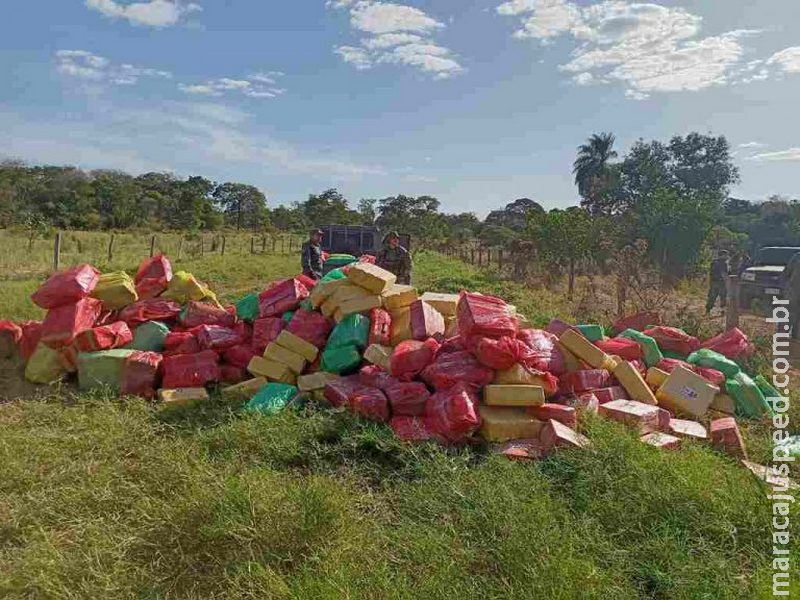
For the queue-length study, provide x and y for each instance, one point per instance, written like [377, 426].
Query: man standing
[717, 276]
[791, 278]
[311, 255]
[395, 259]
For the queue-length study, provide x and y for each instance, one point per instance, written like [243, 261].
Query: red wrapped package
[339, 391]
[266, 331]
[412, 356]
[154, 309]
[732, 344]
[426, 321]
[374, 376]
[198, 313]
[191, 370]
[500, 354]
[306, 281]
[672, 339]
[181, 342]
[62, 324]
[367, 258]
[106, 337]
[639, 322]
[453, 367]
[214, 337]
[639, 366]
[453, 344]
[543, 352]
[369, 403]
[239, 356]
[311, 326]
[557, 327]
[485, 316]
[608, 394]
[453, 413]
[410, 429]
[232, 374]
[140, 374]
[283, 296]
[380, 327]
[711, 375]
[622, 347]
[66, 287]
[244, 331]
[153, 276]
[583, 381]
[10, 336]
[31, 335]
[407, 398]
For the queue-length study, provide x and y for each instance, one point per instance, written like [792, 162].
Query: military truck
[356, 239]
[759, 283]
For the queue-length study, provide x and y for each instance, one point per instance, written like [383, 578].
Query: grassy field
[108, 498]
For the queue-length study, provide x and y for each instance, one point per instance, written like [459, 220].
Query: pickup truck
[356, 239]
[757, 284]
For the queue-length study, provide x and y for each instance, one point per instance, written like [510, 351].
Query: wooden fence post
[222, 249]
[57, 252]
[263, 244]
[500, 259]
[571, 283]
[283, 245]
[202, 246]
[622, 296]
[180, 247]
[252, 245]
[152, 246]
[732, 304]
[472, 256]
[111, 248]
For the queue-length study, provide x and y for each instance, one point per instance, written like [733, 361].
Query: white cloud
[400, 34]
[85, 65]
[645, 47]
[152, 13]
[787, 60]
[258, 85]
[790, 154]
[754, 145]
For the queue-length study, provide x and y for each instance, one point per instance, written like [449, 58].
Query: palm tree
[591, 168]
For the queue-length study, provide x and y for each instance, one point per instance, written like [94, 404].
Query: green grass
[108, 498]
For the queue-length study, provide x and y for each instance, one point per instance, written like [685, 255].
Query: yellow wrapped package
[325, 289]
[244, 390]
[183, 287]
[444, 303]
[399, 296]
[356, 305]
[401, 325]
[44, 365]
[115, 290]
[686, 392]
[272, 370]
[513, 395]
[655, 377]
[315, 381]
[371, 277]
[297, 345]
[634, 383]
[379, 355]
[584, 349]
[277, 353]
[519, 375]
[503, 424]
[182, 397]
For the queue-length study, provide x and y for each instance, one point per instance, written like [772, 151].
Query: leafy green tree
[592, 171]
[419, 217]
[243, 205]
[366, 208]
[515, 215]
[563, 239]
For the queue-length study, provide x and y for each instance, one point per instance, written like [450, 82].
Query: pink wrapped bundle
[484, 316]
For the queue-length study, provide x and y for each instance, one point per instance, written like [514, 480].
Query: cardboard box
[297, 345]
[357, 305]
[379, 355]
[655, 378]
[634, 383]
[314, 381]
[401, 325]
[557, 435]
[661, 440]
[687, 429]
[244, 390]
[274, 371]
[584, 349]
[566, 415]
[513, 395]
[447, 304]
[182, 396]
[277, 353]
[503, 424]
[399, 296]
[685, 392]
[371, 277]
[638, 415]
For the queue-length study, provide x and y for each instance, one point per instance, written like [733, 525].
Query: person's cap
[317, 232]
[393, 235]
[723, 253]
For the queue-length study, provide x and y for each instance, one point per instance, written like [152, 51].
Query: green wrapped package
[767, 388]
[247, 308]
[287, 316]
[791, 445]
[333, 276]
[340, 359]
[650, 350]
[271, 398]
[149, 337]
[593, 333]
[340, 260]
[306, 305]
[747, 398]
[714, 360]
[673, 354]
[101, 369]
[353, 330]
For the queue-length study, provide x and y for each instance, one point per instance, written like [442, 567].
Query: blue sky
[475, 102]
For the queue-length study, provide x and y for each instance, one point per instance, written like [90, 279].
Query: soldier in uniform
[311, 255]
[395, 259]
[716, 288]
[791, 276]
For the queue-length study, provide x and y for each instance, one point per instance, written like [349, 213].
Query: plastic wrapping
[191, 370]
[231, 374]
[453, 344]
[651, 353]
[247, 308]
[153, 276]
[380, 327]
[407, 398]
[500, 354]
[271, 399]
[374, 376]
[44, 365]
[340, 359]
[150, 310]
[115, 290]
[239, 355]
[711, 375]
[149, 337]
[102, 369]
[353, 330]
[281, 297]
[520, 374]
[31, 336]
[557, 327]
[370, 403]
[412, 356]
[452, 368]
[748, 398]
[623, 347]
[672, 339]
[66, 287]
[311, 326]
[426, 321]
[63, 323]
[411, 429]
[266, 331]
[583, 381]
[543, 352]
[214, 337]
[106, 337]
[767, 388]
[592, 332]
[484, 316]
[140, 374]
[638, 322]
[10, 337]
[714, 360]
[453, 413]
[181, 342]
[732, 344]
[183, 287]
[199, 313]
[338, 391]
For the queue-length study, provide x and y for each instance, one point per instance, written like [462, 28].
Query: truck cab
[356, 239]
[757, 284]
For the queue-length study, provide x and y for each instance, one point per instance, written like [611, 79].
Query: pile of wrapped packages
[444, 367]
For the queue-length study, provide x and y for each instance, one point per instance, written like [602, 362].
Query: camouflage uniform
[719, 271]
[792, 278]
[397, 261]
[311, 260]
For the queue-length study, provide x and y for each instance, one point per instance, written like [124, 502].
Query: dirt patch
[12, 381]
